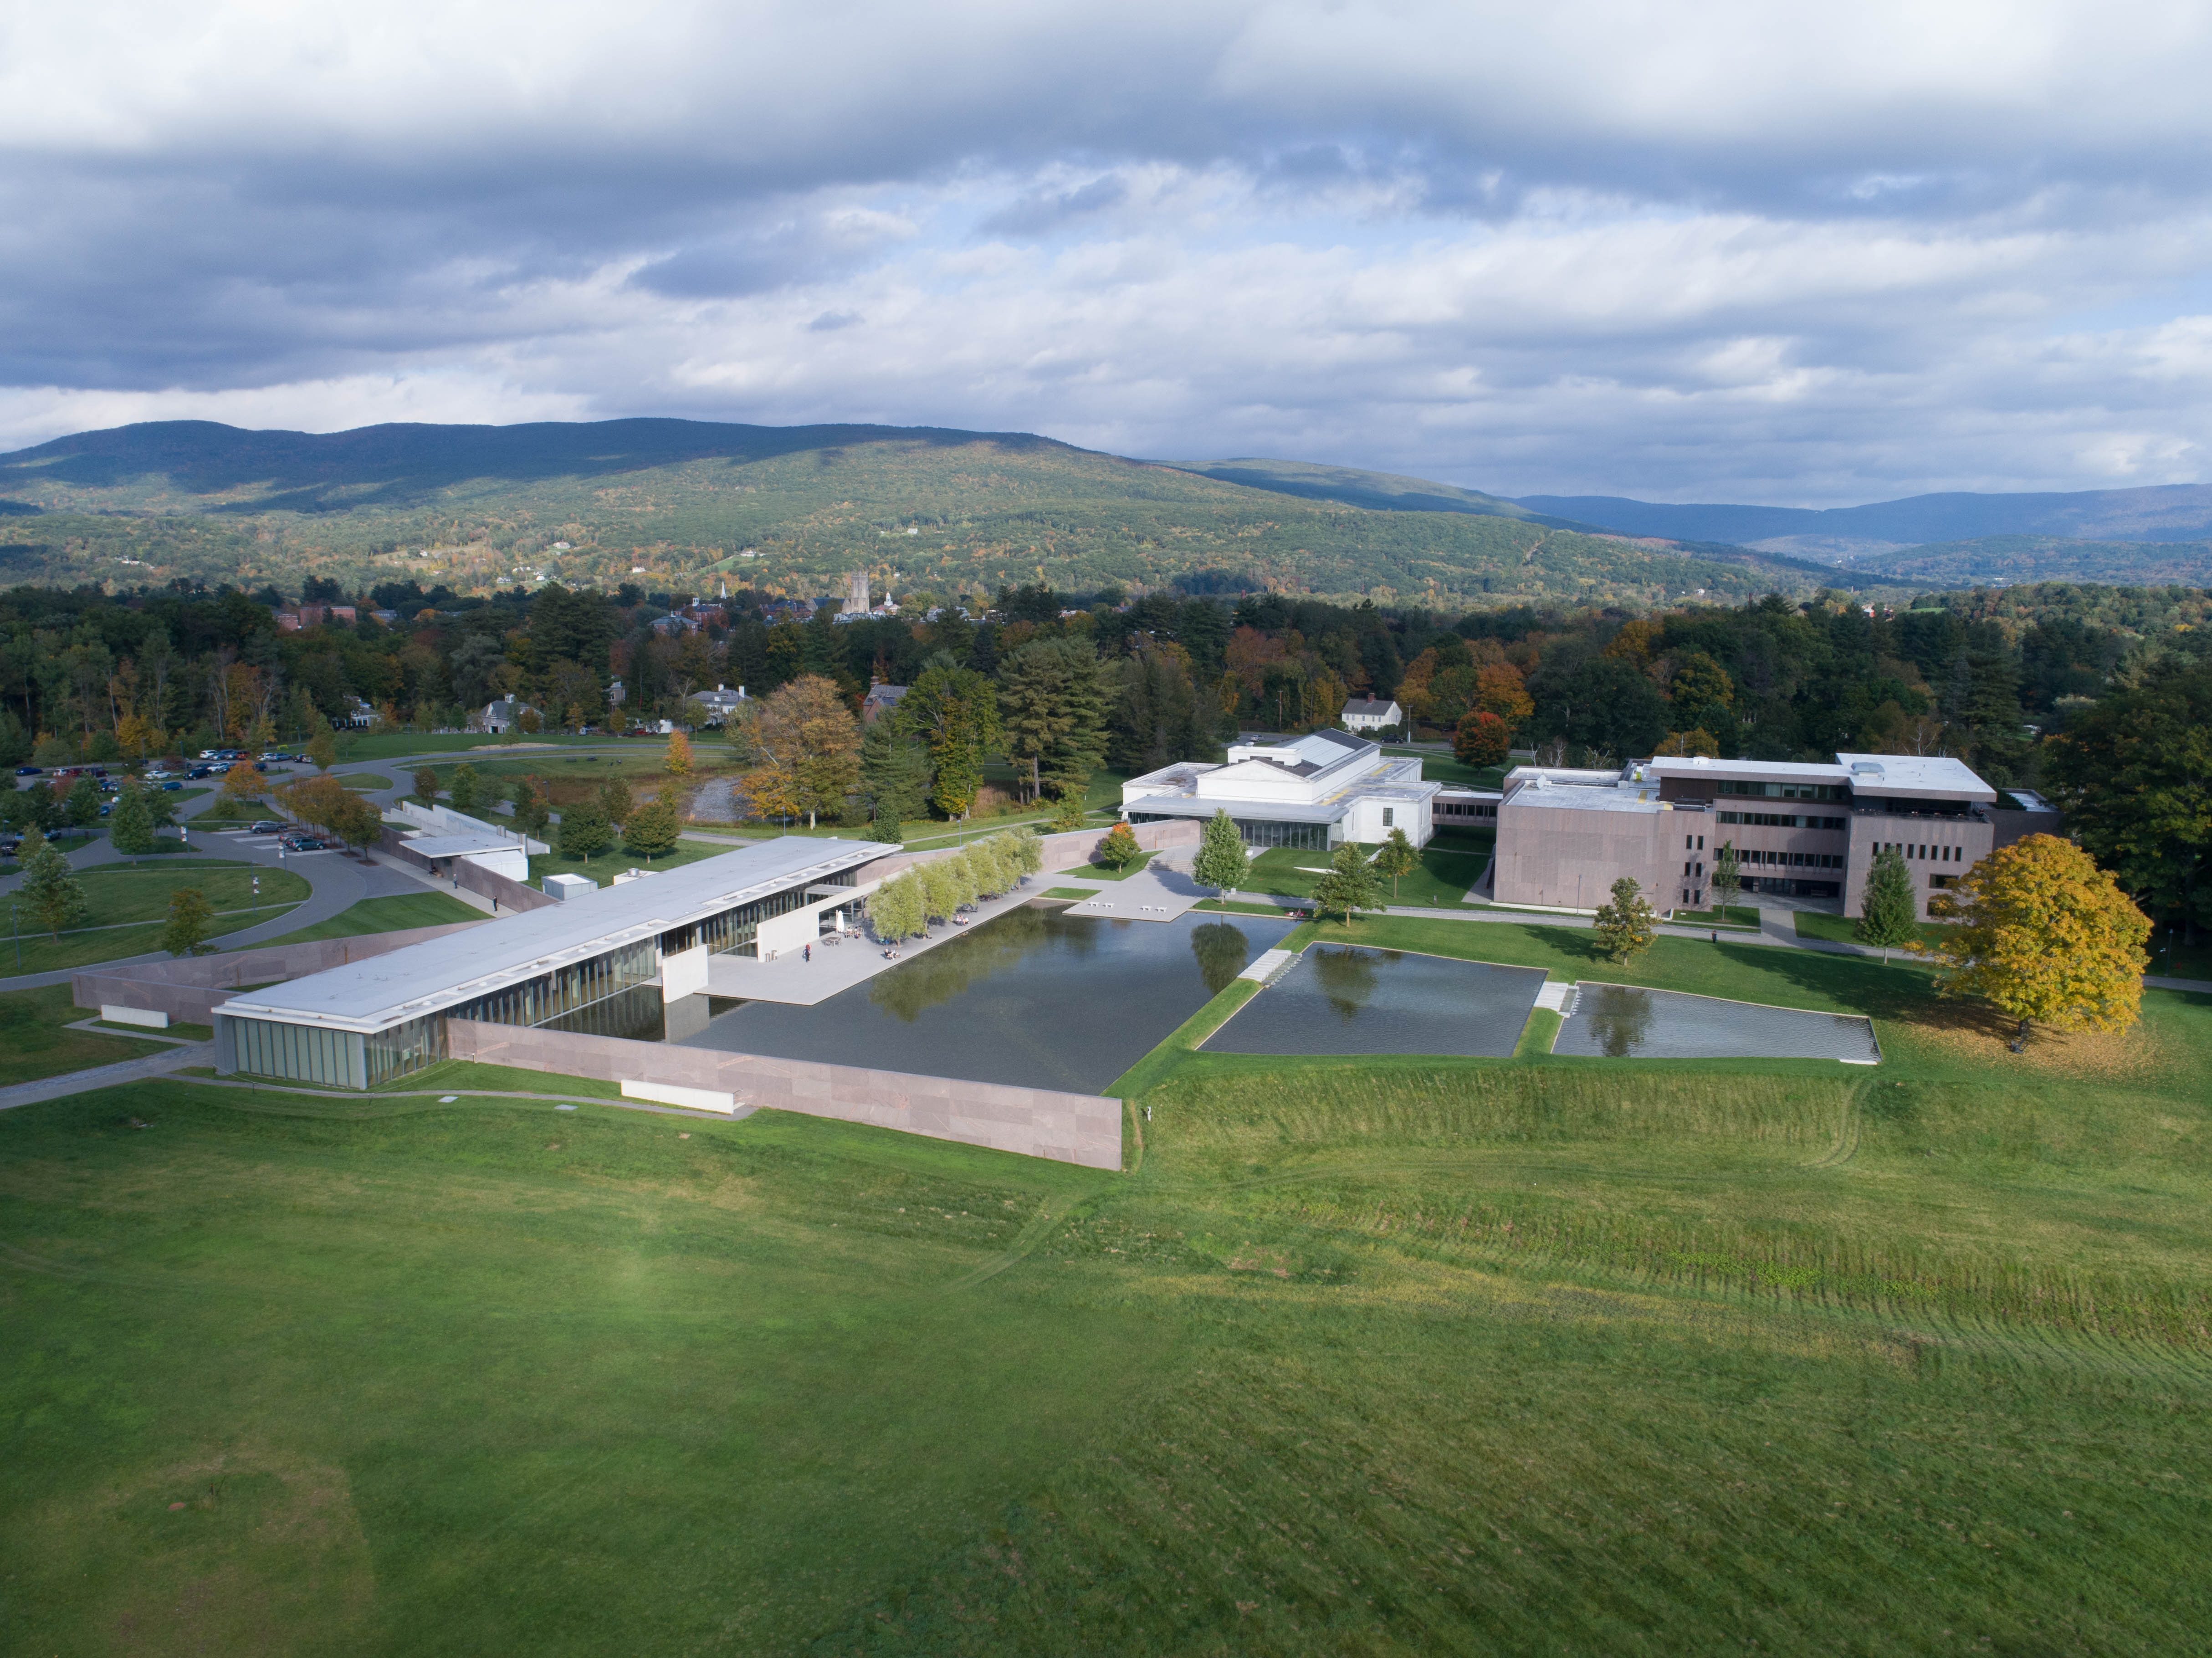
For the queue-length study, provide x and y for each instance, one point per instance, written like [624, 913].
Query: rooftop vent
[1867, 768]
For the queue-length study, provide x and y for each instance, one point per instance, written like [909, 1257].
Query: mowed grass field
[127, 906]
[1361, 1357]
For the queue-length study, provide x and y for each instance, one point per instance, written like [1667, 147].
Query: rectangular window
[1389, 817]
[1701, 843]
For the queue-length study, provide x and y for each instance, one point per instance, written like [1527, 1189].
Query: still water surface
[1038, 998]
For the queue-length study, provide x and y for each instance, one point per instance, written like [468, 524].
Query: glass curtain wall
[297, 1052]
[1305, 838]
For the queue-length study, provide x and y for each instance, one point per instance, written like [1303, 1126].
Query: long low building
[1802, 830]
[602, 962]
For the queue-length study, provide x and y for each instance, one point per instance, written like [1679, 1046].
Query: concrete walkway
[107, 1076]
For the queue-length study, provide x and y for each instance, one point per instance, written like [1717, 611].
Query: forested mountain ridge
[682, 502]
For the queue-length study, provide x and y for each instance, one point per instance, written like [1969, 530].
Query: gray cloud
[1592, 246]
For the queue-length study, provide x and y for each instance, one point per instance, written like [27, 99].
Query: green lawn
[396, 913]
[1102, 872]
[36, 1042]
[1734, 915]
[1069, 892]
[1450, 863]
[365, 781]
[1840, 929]
[129, 903]
[397, 745]
[1377, 1356]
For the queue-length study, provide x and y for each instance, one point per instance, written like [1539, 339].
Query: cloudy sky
[1732, 252]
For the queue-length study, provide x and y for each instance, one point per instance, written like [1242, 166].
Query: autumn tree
[356, 823]
[1481, 738]
[1626, 924]
[323, 750]
[2044, 937]
[676, 761]
[1119, 849]
[241, 781]
[1499, 691]
[806, 749]
[426, 785]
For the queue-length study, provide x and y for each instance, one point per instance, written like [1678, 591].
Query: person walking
[807, 954]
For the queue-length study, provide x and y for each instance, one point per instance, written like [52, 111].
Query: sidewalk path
[107, 1076]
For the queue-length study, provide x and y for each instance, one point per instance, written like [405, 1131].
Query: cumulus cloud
[1741, 251]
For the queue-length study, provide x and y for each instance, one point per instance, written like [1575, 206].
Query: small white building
[444, 836]
[1312, 791]
[1363, 714]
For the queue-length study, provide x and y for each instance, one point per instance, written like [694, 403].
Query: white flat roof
[1585, 797]
[1914, 773]
[421, 979]
[1802, 771]
[460, 846]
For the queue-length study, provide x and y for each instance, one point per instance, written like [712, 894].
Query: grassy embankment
[1535, 1355]
[129, 903]
[397, 913]
[1450, 863]
[35, 1040]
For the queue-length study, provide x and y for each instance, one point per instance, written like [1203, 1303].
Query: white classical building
[1311, 792]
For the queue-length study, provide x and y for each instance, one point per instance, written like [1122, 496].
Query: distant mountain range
[682, 505]
[2158, 512]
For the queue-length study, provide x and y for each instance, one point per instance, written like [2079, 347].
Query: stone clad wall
[1033, 1122]
[193, 987]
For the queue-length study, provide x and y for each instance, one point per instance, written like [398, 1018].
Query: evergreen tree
[1396, 859]
[1222, 862]
[895, 778]
[192, 918]
[652, 829]
[50, 887]
[463, 787]
[1889, 913]
[584, 831]
[1349, 885]
[131, 828]
[1052, 707]
[1627, 924]
[955, 712]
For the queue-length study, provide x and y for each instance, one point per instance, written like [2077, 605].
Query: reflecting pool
[1622, 1022]
[1037, 997]
[1344, 998]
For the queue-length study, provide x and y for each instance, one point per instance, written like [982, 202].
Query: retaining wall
[508, 895]
[1033, 1122]
[190, 987]
[1068, 851]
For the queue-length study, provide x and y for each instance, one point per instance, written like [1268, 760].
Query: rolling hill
[790, 509]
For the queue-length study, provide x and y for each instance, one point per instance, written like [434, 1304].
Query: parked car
[200, 771]
[29, 771]
[171, 788]
[266, 826]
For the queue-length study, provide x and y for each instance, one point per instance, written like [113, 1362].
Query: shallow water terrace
[1621, 1021]
[1343, 998]
[1038, 998]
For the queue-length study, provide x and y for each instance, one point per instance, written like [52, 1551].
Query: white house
[1312, 791]
[715, 707]
[1365, 714]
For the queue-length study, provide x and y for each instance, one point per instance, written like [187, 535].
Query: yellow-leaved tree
[2045, 937]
